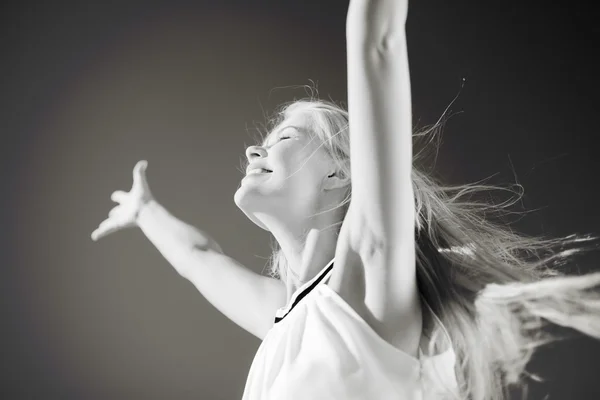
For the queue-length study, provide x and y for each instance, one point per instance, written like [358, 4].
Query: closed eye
[279, 139]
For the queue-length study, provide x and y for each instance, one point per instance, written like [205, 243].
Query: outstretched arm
[379, 104]
[247, 298]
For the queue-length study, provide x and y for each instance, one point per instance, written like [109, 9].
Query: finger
[118, 196]
[139, 171]
[112, 212]
[100, 231]
[105, 228]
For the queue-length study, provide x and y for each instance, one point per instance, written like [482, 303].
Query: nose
[253, 152]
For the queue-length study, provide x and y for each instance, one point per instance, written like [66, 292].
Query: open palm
[124, 215]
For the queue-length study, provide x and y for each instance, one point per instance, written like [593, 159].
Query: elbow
[389, 44]
[376, 41]
[379, 25]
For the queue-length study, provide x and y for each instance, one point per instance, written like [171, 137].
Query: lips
[262, 168]
[258, 171]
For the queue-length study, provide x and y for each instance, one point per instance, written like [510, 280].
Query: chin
[243, 202]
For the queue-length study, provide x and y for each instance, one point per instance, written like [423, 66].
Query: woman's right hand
[124, 215]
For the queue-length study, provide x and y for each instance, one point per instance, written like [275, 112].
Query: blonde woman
[385, 284]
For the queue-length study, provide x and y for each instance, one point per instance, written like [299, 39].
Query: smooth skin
[375, 255]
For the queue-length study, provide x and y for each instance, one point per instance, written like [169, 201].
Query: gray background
[90, 88]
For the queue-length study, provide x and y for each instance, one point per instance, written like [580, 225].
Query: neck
[308, 248]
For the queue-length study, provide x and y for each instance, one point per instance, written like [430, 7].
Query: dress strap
[304, 290]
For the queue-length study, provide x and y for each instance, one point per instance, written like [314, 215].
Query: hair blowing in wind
[494, 289]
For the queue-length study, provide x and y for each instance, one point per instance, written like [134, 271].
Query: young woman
[386, 284]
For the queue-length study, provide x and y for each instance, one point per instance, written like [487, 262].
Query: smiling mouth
[259, 171]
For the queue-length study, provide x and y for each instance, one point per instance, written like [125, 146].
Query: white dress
[320, 348]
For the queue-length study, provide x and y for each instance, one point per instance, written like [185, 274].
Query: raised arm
[380, 122]
[379, 106]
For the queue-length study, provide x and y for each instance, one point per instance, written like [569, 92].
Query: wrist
[145, 207]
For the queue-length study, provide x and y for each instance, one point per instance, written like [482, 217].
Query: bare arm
[245, 297]
[380, 124]
[380, 118]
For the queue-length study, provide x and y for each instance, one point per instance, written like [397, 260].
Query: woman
[388, 285]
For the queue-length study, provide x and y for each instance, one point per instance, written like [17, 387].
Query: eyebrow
[297, 129]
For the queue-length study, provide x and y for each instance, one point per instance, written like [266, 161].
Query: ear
[335, 180]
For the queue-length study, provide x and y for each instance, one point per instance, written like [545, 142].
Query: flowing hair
[493, 289]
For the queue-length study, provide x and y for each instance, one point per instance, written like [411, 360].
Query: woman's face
[299, 166]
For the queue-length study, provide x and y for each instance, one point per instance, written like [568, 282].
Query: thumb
[139, 171]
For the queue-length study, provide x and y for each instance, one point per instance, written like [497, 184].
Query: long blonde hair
[492, 288]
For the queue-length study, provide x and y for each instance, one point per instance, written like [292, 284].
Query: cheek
[300, 162]
[288, 159]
